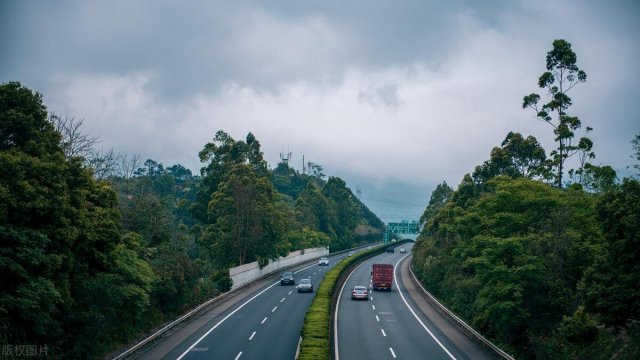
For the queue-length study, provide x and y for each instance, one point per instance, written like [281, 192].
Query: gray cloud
[389, 94]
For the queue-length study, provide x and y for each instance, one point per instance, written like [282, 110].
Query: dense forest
[547, 266]
[98, 249]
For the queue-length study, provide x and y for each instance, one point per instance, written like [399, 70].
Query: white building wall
[248, 272]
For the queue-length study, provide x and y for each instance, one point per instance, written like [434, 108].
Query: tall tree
[220, 155]
[67, 273]
[635, 143]
[248, 225]
[612, 287]
[517, 157]
[440, 195]
[341, 200]
[562, 75]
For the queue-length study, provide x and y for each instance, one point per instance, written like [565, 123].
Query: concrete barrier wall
[248, 272]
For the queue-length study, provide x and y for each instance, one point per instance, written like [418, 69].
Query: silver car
[305, 285]
[359, 292]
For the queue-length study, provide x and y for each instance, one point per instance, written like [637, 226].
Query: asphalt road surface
[392, 324]
[263, 322]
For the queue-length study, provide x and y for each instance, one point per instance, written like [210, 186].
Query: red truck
[382, 276]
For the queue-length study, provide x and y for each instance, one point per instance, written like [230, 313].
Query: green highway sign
[403, 227]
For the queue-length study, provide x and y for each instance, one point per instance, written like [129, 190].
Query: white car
[403, 250]
[359, 292]
[305, 285]
[323, 261]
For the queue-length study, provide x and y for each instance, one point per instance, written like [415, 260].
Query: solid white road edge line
[233, 312]
[413, 312]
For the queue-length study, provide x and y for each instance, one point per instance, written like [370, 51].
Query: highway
[264, 323]
[390, 325]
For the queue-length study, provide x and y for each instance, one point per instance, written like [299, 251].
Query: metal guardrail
[151, 339]
[460, 323]
[160, 333]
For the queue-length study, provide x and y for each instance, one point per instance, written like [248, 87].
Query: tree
[220, 156]
[69, 278]
[517, 157]
[315, 170]
[104, 163]
[247, 226]
[128, 165]
[440, 195]
[562, 75]
[598, 178]
[74, 141]
[612, 286]
[342, 204]
[312, 210]
[635, 143]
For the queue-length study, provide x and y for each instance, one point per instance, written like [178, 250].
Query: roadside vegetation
[546, 265]
[100, 248]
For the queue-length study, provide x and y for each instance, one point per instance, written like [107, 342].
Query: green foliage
[88, 265]
[248, 225]
[562, 75]
[220, 156]
[598, 178]
[518, 157]
[439, 198]
[64, 263]
[328, 207]
[509, 257]
[635, 143]
[611, 287]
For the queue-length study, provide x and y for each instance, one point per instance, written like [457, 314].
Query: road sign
[403, 227]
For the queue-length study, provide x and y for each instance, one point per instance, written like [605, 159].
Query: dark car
[305, 285]
[287, 278]
[390, 250]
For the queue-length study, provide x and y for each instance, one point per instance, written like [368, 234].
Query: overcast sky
[392, 96]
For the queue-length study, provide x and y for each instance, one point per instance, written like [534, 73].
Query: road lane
[264, 324]
[385, 327]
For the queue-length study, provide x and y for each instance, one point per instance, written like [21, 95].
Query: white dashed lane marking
[238, 356]
[252, 335]
[263, 320]
[274, 309]
[383, 333]
[392, 353]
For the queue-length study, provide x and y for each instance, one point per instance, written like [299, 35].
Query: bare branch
[128, 165]
[103, 163]
[74, 142]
